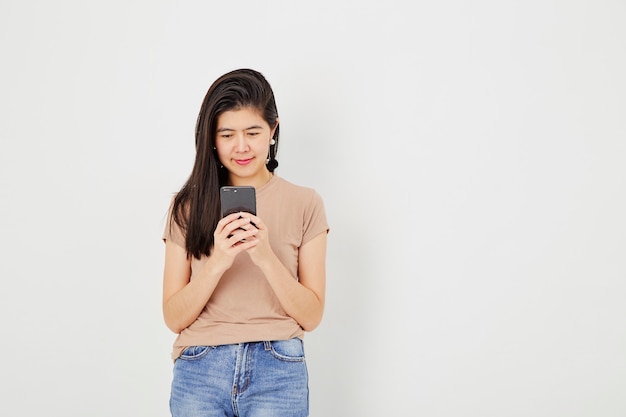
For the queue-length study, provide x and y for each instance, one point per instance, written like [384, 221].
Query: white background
[471, 159]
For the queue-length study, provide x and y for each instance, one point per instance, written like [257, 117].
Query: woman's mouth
[243, 161]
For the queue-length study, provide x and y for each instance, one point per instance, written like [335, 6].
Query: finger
[228, 225]
[246, 244]
[243, 222]
[239, 224]
[241, 234]
[227, 219]
[255, 221]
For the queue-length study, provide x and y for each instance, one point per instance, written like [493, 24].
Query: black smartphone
[236, 199]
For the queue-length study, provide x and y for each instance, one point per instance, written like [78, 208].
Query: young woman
[240, 291]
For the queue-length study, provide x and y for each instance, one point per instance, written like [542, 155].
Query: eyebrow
[228, 129]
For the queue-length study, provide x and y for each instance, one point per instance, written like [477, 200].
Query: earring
[272, 164]
[272, 142]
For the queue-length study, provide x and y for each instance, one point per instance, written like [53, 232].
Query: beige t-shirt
[243, 307]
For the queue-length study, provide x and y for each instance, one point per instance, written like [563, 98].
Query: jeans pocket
[291, 350]
[194, 352]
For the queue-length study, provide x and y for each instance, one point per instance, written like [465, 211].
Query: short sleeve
[172, 230]
[315, 221]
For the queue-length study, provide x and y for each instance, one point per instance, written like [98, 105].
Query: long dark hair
[196, 207]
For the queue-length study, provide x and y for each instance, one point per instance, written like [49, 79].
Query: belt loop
[267, 344]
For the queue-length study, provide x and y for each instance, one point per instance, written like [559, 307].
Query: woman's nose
[242, 145]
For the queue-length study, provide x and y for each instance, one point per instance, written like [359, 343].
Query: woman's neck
[257, 181]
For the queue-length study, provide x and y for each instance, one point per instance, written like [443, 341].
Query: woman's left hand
[262, 251]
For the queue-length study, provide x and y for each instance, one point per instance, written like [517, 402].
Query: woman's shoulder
[286, 186]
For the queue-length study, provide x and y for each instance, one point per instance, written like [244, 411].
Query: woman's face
[242, 141]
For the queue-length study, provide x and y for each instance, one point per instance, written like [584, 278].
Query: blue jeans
[261, 379]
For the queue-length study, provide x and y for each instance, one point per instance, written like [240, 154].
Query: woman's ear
[274, 129]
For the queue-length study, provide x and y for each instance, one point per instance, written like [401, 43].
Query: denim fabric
[261, 379]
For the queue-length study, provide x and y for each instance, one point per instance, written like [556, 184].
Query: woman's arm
[184, 299]
[301, 299]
